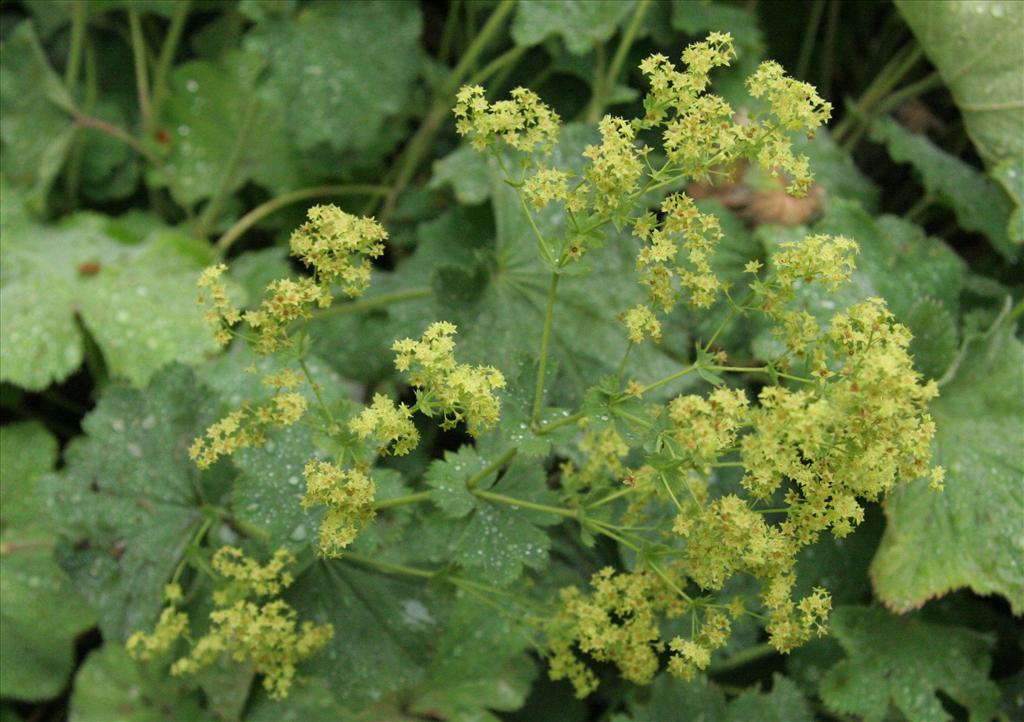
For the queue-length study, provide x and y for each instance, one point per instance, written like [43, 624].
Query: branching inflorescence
[841, 419]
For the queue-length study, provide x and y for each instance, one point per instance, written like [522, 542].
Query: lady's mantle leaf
[902, 662]
[41, 613]
[580, 23]
[699, 701]
[977, 47]
[341, 69]
[127, 503]
[1010, 175]
[36, 131]
[134, 299]
[970, 534]
[978, 201]
[112, 686]
[498, 539]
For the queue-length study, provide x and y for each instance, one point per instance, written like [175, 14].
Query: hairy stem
[141, 73]
[370, 304]
[403, 500]
[490, 469]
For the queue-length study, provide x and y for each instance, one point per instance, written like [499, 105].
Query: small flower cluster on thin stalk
[841, 420]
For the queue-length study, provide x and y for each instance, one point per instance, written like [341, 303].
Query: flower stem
[370, 304]
[209, 215]
[403, 500]
[141, 76]
[490, 468]
[265, 209]
[548, 428]
[524, 504]
[545, 339]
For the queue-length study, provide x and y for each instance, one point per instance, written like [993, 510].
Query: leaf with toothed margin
[935, 337]
[41, 612]
[580, 24]
[134, 298]
[902, 662]
[969, 535]
[128, 501]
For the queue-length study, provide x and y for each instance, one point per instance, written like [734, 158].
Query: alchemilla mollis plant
[709, 495]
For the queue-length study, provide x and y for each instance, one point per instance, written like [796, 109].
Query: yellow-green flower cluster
[335, 245]
[824, 259]
[389, 424]
[348, 494]
[616, 166]
[675, 90]
[221, 314]
[524, 122]
[460, 392]
[246, 427]
[684, 231]
[702, 428]
[263, 633]
[338, 247]
[618, 622]
[690, 655]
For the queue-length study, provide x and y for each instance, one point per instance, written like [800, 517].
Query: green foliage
[984, 77]
[969, 536]
[902, 662]
[979, 203]
[40, 610]
[531, 400]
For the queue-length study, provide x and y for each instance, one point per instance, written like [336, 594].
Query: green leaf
[27, 450]
[902, 662]
[466, 171]
[934, 344]
[968, 535]
[1010, 174]
[41, 613]
[504, 322]
[448, 479]
[699, 701]
[977, 48]
[501, 539]
[498, 539]
[478, 666]
[978, 201]
[580, 23]
[128, 501]
[111, 686]
[136, 300]
[384, 629]
[36, 130]
[212, 108]
[341, 69]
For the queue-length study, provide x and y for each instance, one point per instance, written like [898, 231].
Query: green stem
[807, 47]
[389, 566]
[79, 21]
[742, 658]
[451, 21]
[1016, 313]
[890, 76]
[509, 57]
[167, 53]
[668, 379]
[571, 419]
[403, 500]
[601, 91]
[524, 504]
[212, 210]
[611, 497]
[141, 76]
[932, 80]
[316, 391]
[829, 48]
[490, 468]
[263, 210]
[419, 144]
[545, 339]
[87, 121]
[370, 304]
